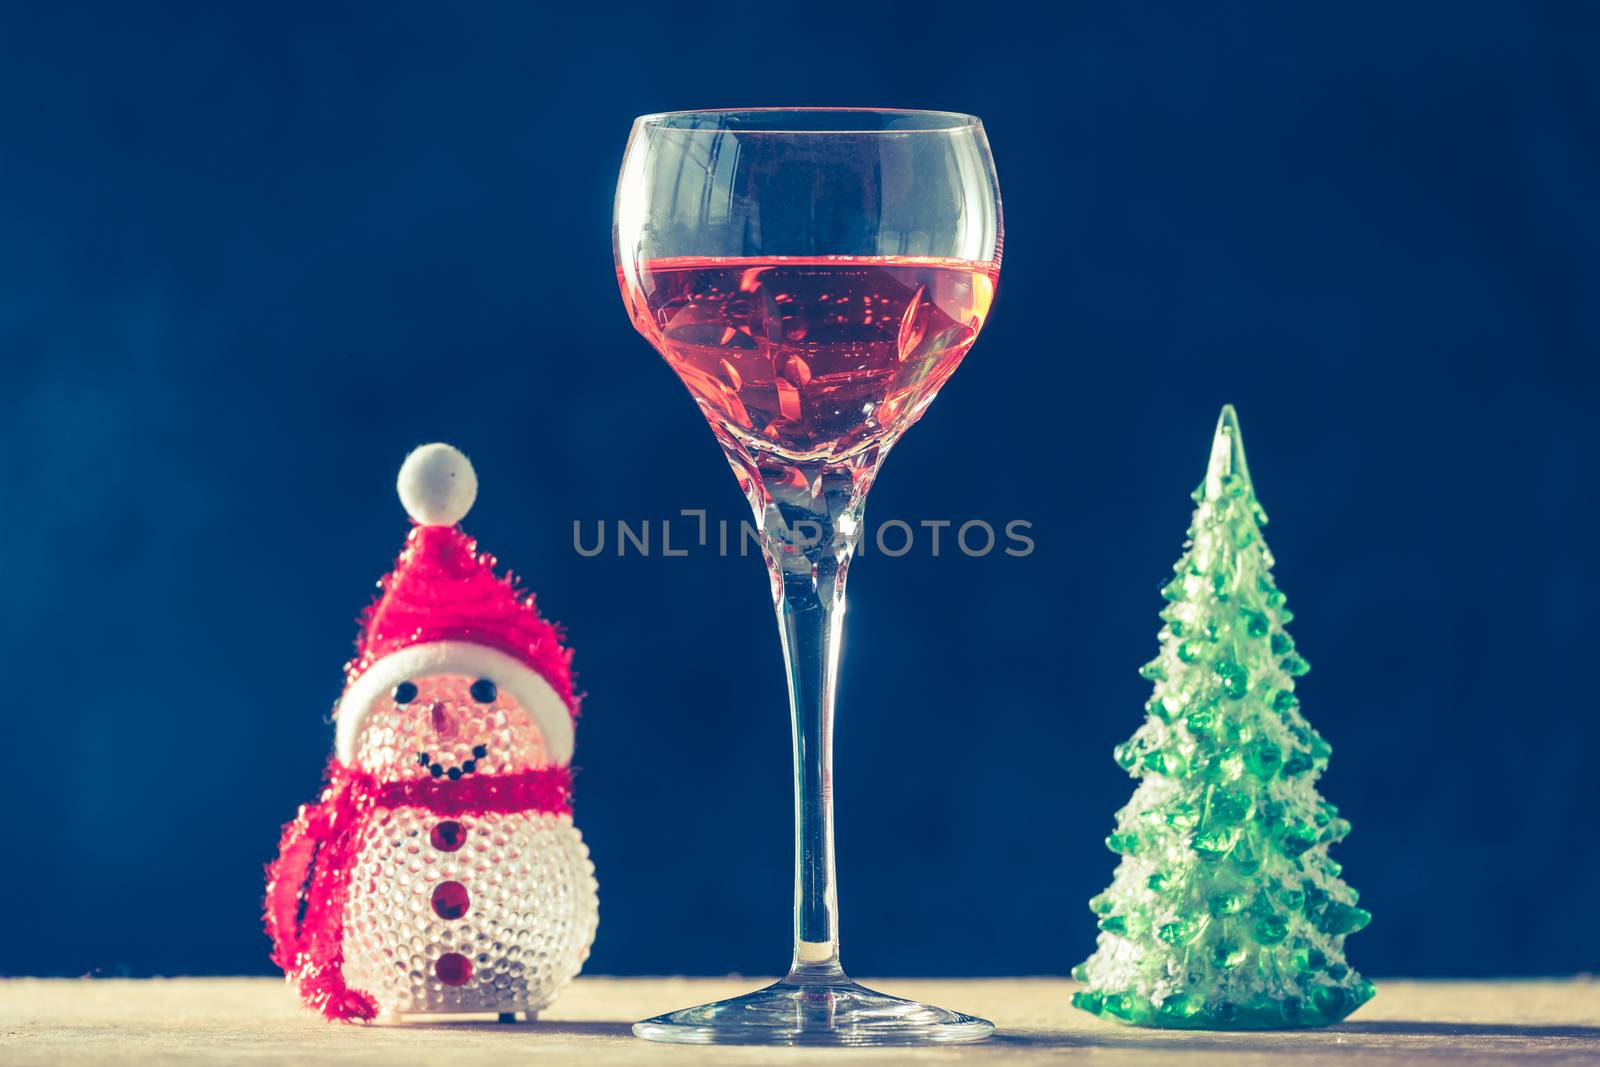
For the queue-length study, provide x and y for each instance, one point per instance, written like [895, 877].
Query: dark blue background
[251, 255]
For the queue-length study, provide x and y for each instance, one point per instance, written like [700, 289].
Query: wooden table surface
[257, 1021]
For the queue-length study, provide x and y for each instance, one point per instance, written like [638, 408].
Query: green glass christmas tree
[1226, 911]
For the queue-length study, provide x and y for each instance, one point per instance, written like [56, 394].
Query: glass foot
[814, 1013]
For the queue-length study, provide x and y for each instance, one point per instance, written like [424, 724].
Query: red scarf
[308, 883]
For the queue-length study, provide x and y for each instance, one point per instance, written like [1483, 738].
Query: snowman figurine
[440, 872]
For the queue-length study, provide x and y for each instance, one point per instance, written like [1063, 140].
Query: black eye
[483, 691]
[405, 693]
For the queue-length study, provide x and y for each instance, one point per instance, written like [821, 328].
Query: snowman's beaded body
[487, 913]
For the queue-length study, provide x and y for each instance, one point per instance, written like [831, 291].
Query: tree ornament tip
[1227, 458]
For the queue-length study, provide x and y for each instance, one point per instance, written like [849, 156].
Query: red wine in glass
[815, 355]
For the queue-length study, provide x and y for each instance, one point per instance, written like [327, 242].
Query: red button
[448, 836]
[453, 969]
[450, 900]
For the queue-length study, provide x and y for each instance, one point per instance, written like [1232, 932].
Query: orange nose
[444, 723]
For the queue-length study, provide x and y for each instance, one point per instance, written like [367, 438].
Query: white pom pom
[437, 485]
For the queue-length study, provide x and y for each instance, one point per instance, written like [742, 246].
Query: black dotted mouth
[439, 770]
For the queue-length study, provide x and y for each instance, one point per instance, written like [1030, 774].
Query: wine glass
[813, 275]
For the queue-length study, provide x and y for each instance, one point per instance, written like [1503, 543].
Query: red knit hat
[443, 610]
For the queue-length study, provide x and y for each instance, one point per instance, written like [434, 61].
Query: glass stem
[810, 517]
